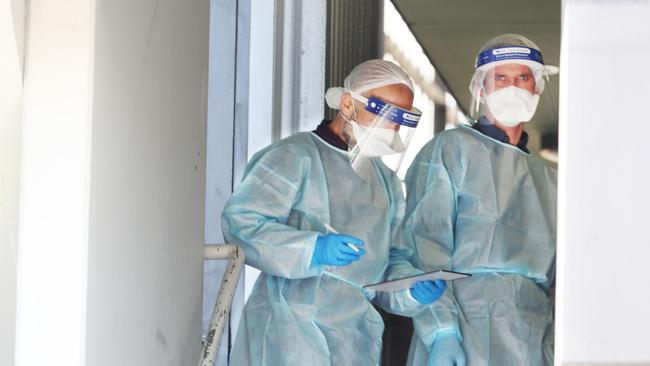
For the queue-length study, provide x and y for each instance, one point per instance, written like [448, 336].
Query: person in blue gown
[308, 306]
[479, 202]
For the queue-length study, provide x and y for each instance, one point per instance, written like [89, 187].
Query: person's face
[396, 94]
[507, 75]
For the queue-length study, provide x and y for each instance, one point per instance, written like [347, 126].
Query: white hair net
[540, 71]
[368, 75]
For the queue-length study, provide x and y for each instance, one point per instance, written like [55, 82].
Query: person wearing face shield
[308, 306]
[479, 202]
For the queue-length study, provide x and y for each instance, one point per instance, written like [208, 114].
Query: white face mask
[376, 141]
[511, 105]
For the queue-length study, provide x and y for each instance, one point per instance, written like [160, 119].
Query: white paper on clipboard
[407, 282]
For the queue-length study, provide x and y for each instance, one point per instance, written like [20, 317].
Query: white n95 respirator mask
[376, 141]
[511, 105]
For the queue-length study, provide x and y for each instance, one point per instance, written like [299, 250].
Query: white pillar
[147, 201]
[604, 185]
[55, 184]
[113, 183]
[11, 85]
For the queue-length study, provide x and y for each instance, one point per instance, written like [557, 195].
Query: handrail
[221, 311]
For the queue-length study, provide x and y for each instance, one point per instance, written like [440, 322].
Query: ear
[347, 105]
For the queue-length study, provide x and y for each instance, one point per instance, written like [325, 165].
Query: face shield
[378, 128]
[507, 86]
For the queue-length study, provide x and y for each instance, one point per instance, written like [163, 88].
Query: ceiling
[452, 31]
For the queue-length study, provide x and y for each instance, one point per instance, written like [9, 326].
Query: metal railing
[221, 311]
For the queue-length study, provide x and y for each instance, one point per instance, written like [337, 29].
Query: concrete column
[113, 180]
[604, 185]
[11, 89]
[55, 184]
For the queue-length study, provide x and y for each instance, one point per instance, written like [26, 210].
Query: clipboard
[408, 282]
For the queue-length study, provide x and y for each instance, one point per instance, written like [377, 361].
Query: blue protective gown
[298, 314]
[481, 206]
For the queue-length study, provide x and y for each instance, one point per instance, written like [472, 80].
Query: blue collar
[484, 126]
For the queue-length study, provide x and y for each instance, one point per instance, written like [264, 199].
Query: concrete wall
[112, 189]
[11, 49]
[604, 185]
[148, 182]
[19, 13]
[54, 186]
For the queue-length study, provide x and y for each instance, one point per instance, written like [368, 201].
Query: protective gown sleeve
[256, 215]
[399, 263]
[429, 227]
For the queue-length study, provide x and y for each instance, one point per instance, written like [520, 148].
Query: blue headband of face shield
[389, 111]
[509, 53]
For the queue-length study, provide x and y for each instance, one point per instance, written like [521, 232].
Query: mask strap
[349, 125]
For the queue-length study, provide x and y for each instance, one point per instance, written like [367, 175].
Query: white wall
[18, 10]
[112, 190]
[148, 181]
[54, 183]
[603, 303]
[11, 84]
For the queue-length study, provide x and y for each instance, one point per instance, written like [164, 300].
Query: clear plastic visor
[378, 129]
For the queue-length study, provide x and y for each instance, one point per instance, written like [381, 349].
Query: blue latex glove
[426, 292]
[332, 250]
[447, 352]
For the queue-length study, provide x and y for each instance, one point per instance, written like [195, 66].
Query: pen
[330, 228]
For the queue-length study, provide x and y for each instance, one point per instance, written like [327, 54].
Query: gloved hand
[332, 250]
[447, 352]
[426, 292]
